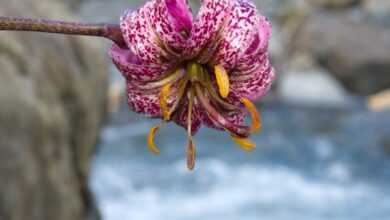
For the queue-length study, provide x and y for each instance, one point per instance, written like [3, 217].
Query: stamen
[244, 143]
[256, 123]
[179, 94]
[171, 78]
[222, 80]
[207, 83]
[152, 147]
[164, 95]
[241, 131]
[191, 152]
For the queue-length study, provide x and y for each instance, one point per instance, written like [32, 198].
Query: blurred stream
[311, 163]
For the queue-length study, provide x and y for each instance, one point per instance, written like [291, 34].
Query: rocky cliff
[52, 103]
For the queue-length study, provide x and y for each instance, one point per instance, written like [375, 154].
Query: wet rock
[356, 53]
[52, 103]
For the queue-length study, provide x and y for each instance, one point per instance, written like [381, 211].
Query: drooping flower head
[196, 71]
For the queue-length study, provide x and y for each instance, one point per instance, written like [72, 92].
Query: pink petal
[260, 42]
[133, 68]
[143, 102]
[258, 47]
[140, 37]
[254, 84]
[172, 22]
[155, 32]
[238, 35]
[253, 75]
[210, 20]
[148, 101]
[234, 117]
[206, 120]
[180, 13]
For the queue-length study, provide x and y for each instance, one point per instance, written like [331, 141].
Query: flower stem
[109, 31]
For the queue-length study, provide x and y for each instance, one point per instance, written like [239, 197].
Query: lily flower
[202, 71]
[198, 71]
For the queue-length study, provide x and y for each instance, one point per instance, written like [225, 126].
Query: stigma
[209, 87]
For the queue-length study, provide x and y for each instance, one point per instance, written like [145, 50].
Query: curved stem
[109, 31]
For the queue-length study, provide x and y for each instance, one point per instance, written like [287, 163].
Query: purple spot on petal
[181, 15]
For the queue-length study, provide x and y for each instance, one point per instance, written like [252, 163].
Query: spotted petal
[209, 23]
[147, 101]
[258, 47]
[133, 68]
[253, 85]
[172, 22]
[153, 31]
[237, 36]
[236, 118]
[253, 75]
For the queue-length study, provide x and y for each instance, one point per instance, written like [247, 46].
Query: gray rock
[52, 103]
[377, 10]
[334, 4]
[103, 11]
[73, 3]
[313, 87]
[356, 53]
[380, 7]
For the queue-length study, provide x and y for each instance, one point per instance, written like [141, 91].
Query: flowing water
[310, 164]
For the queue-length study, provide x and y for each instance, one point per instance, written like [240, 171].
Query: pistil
[191, 152]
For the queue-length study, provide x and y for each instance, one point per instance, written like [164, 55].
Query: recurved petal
[158, 31]
[253, 85]
[143, 102]
[208, 25]
[172, 22]
[148, 101]
[140, 36]
[132, 68]
[258, 47]
[260, 41]
[237, 36]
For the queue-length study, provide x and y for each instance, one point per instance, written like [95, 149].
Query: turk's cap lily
[196, 71]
